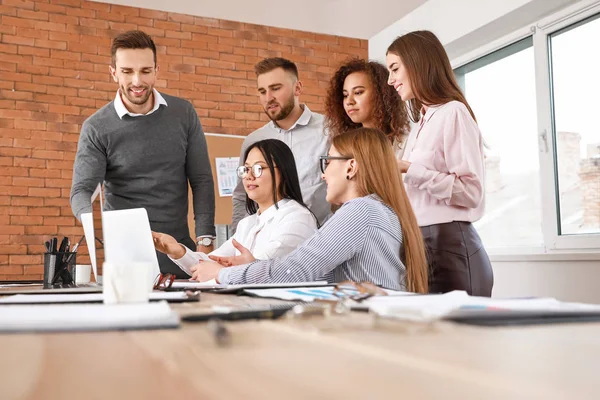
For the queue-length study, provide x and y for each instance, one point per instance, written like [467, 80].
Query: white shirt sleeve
[189, 259]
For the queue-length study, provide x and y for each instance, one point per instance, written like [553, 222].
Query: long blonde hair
[378, 174]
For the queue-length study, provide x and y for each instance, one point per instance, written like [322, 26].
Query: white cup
[126, 282]
[83, 273]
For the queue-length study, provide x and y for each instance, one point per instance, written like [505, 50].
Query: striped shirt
[361, 242]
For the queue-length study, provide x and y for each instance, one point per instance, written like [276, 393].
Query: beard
[284, 110]
[135, 99]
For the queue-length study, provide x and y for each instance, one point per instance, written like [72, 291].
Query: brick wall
[54, 58]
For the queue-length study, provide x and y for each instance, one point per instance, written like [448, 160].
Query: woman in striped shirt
[373, 237]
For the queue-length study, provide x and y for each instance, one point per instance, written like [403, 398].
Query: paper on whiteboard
[227, 178]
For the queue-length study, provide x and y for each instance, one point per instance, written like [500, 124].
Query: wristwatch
[205, 241]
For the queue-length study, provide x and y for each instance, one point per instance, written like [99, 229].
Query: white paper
[213, 285]
[79, 298]
[227, 178]
[434, 307]
[80, 317]
[306, 293]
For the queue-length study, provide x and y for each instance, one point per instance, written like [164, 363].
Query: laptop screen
[98, 243]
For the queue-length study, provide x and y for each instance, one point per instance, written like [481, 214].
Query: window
[500, 88]
[574, 57]
[535, 96]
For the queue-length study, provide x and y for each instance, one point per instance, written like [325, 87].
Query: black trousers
[182, 235]
[457, 259]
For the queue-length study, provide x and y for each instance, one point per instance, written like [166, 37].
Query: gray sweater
[146, 162]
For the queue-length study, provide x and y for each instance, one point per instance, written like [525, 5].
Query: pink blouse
[445, 181]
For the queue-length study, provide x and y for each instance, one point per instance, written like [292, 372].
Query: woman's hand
[205, 271]
[245, 256]
[168, 245]
[403, 166]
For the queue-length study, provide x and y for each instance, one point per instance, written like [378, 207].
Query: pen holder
[59, 269]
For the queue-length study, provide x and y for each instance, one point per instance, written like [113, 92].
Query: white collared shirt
[274, 233]
[122, 110]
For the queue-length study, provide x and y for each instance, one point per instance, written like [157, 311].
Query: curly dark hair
[390, 111]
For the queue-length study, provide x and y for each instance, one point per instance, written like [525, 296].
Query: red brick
[81, 12]
[41, 230]
[153, 14]
[13, 210]
[34, 51]
[26, 220]
[49, 62]
[29, 162]
[34, 202]
[62, 91]
[18, 22]
[32, 69]
[21, 124]
[29, 144]
[11, 270]
[45, 211]
[20, 40]
[50, 8]
[47, 98]
[51, 44]
[60, 221]
[12, 152]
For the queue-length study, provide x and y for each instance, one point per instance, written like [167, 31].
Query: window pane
[575, 57]
[500, 88]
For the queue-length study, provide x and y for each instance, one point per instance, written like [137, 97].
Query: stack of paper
[87, 317]
[458, 304]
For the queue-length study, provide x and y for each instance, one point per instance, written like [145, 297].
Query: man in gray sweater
[145, 147]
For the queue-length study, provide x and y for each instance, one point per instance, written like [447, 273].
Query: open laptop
[119, 236]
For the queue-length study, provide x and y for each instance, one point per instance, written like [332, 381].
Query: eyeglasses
[256, 170]
[163, 281]
[324, 161]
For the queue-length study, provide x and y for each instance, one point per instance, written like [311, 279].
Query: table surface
[354, 356]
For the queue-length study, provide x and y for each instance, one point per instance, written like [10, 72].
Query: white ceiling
[353, 18]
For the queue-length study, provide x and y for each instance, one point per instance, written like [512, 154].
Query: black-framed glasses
[324, 161]
[256, 171]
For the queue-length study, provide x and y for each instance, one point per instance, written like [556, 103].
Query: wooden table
[345, 357]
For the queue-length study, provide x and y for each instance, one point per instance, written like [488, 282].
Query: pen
[219, 332]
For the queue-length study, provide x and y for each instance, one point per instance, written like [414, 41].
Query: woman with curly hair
[359, 96]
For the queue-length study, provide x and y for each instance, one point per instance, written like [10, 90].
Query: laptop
[119, 236]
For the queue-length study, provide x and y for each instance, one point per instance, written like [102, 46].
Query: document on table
[459, 305]
[308, 293]
[87, 317]
[87, 298]
[212, 285]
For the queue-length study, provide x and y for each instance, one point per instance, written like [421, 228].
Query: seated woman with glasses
[278, 222]
[373, 237]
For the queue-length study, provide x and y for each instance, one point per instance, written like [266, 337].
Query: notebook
[174, 297]
[87, 317]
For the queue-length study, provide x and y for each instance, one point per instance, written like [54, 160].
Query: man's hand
[244, 258]
[205, 271]
[168, 245]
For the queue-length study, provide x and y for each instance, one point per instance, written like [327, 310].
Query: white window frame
[553, 242]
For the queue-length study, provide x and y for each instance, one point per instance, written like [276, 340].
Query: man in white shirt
[293, 123]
